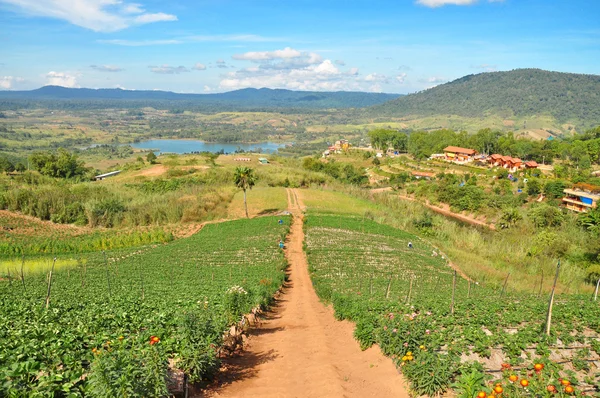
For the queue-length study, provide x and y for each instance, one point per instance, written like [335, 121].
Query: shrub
[544, 215]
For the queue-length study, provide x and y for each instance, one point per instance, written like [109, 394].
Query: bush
[544, 216]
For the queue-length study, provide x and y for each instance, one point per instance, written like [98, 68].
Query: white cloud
[199, 66]
[340, 62]
[96, 15]
[63, 79]
[401, 77]
[440, 3]
[235, 38]
[7, 82]
[106, 68]
[286, 53]
[353, 72]
[376, 77]
[168, 70]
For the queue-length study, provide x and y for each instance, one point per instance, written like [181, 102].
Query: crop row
[410, 300]
[128, 321]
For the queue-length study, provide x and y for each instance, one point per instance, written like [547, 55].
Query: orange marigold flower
[513, 378]
[524, 382]
[538, 367]
[498, 389]
[551, 388]
[569, 389]
[154, 340]
[565, 382]
[481, 394]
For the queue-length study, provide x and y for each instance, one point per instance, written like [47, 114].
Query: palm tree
[244, 178]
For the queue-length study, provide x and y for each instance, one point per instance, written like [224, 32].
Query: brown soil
[300, 350]
[445, 210]
[156, 170]
[28, 225]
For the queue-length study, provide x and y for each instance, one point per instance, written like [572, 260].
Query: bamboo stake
[549, 315]
[409, 291]
[541, 284]
[389, 286]
[504, 287]
[596, 292]
[453, 293]
[50, 284]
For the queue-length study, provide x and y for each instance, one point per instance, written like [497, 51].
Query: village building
[532, 164]
[263, 161]
[580, 201]
[458, 154]
[107, 175]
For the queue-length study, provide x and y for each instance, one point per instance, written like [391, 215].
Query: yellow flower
[405, 358]
[422, 347]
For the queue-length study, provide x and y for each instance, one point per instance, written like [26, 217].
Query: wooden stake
[596, 292]
[50, 284]
[549, 315]
[504, 287]
[389, 287]
[541, 284]
[453, 293]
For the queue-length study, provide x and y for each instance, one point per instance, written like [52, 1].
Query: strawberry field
[127, 322]
[444, 331]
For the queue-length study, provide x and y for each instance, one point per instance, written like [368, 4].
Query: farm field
[402, 300]
[129, 323]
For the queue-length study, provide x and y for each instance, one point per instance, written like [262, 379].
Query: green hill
[567, 97]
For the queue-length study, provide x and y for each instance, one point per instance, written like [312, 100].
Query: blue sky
[200, 46]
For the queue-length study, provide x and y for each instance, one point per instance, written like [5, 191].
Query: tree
[59, 165]
[151, 157]
[245, 179]
[544, 215]
[510, 217]
[533, 187]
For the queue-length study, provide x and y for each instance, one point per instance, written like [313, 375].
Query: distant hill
[249, 98]
[568, 97]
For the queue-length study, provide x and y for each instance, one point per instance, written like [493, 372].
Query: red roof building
[459, 154]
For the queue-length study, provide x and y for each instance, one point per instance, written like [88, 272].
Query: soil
[156, 170]
[445, 210]
[300, 350]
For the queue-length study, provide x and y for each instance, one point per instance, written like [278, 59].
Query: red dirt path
[300, 350]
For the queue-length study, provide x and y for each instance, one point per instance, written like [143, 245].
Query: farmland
[129, 321]
[468, 337]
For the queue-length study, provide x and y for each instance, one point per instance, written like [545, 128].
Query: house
[242, 159]
[580, 201]
[532, 164]
[263, 161]
[495, 159]
[423, 175]
[458, 154]
[513, 164]
[106, 175]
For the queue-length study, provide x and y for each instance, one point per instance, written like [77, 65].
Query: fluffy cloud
[401, 77]
[61, 79]
[199, 66]
[440, 3]
[340, 62]
[106, 68]
[168, 70]
[7, 82]
[96, 15]
[286, 53]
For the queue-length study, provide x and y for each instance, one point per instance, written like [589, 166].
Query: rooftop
[457, 149]
[582, 194]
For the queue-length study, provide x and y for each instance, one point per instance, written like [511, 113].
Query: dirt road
[300, 350]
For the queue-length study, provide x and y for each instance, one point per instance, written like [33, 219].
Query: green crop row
[128, 322]
[405, 300]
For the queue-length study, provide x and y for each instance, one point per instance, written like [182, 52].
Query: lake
[188, 146]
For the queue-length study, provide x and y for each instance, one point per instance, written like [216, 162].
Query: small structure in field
[423, 175]
[458, 154]
[532, 164]
[242, 159]
[263, 161]
[580, 200]
[107, 175]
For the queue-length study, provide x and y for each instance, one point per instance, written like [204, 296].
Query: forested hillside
[568, 97]
[244, 99]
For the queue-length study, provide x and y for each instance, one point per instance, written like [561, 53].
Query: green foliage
[151, 157]
[544, 215]
[510, 217]
[105, 212]
[554, 188]
[384, 139]
[59, 165]
[343, 172]
[124, 369]
[521, 92]
[533, 187]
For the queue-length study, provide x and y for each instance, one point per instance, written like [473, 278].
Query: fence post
[22, 274]
[549, 315]
[541, 284]
[409, 291]
[50, 284]
[389, 286]
[596, 292]
[504, 287]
